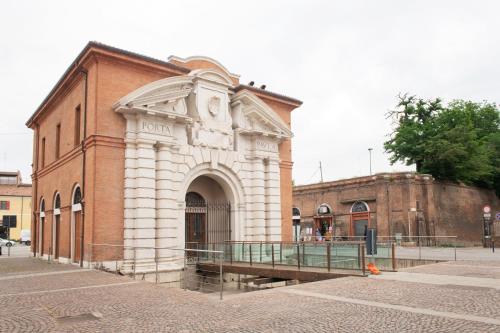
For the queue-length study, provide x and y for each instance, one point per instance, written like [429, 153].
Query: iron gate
[207, 222]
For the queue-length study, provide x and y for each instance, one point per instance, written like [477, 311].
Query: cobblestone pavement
[42, 297]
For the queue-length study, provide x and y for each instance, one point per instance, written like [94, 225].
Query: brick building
[15, 205]
[140, 152]
[407, 203]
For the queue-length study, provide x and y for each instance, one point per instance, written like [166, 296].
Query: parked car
[26, 237]
[7, 242]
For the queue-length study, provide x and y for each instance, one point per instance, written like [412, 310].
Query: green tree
[459, 142]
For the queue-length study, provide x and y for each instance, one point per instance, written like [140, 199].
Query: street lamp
[370, 152]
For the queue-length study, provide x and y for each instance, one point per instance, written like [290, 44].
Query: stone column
[145, 201]
[272, 200]
[166, 204]
[256, 228]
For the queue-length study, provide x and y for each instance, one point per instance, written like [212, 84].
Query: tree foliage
[458, 142]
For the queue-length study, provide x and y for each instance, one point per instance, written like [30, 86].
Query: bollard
[0, 250]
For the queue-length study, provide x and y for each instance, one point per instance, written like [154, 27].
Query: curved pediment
[253, 115]
[212, 75]
[203, 62]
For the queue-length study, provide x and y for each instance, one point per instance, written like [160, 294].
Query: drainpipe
[34, 203]
[82, 247]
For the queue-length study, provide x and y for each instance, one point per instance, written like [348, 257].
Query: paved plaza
[458, 296]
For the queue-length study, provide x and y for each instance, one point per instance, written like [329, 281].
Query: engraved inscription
[266, 146]
[155, 128]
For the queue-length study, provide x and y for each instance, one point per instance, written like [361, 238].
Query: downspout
[85, 73]
[34, 200]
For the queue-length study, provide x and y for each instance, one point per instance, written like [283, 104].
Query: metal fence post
[221, 279]
[455, 246]
[303, 254]
[419, 249]
[243, 251]
[272, 253]
[185, 269]
[298, 256]
[363, 269]
[156, 264]
[328, 254]
[359, 255]
[213, 253]
[231, 252]
[135, 260]
[261, 252]
[281, 252]
[90, 261]
[250, 251]
[393, 254]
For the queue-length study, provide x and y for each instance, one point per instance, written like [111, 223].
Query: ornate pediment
[166, 97]
[252, 116]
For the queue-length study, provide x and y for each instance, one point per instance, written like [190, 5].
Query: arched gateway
[201, 165]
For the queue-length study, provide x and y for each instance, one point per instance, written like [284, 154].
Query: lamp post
[370, 152]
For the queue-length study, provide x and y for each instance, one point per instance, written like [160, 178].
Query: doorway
[207, 215]
[78, 237]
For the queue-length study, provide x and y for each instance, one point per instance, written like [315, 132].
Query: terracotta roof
[23, 190]
[97, 45]
[104, 47]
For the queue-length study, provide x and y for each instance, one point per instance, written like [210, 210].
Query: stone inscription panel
[155, 127]
[266, 146]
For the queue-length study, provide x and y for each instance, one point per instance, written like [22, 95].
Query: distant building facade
[138, 152]
[15, 205]
[403, 203]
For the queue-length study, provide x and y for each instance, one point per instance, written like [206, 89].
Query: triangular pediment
[254, 115]
[164, 96]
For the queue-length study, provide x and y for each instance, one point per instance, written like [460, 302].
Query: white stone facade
[184, 127]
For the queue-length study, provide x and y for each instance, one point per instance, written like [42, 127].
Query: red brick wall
[448, 209]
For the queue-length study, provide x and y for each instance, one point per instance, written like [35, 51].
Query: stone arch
[232, 187]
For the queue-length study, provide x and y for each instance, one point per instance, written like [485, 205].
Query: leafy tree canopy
[458, 142]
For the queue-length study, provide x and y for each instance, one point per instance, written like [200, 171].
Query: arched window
[296, 213]
[57, 201]
[324, 209]
[194, 199]
[359, 207]
[42, 206]
[77, 196]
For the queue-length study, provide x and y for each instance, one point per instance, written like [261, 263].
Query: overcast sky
[346, 60]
